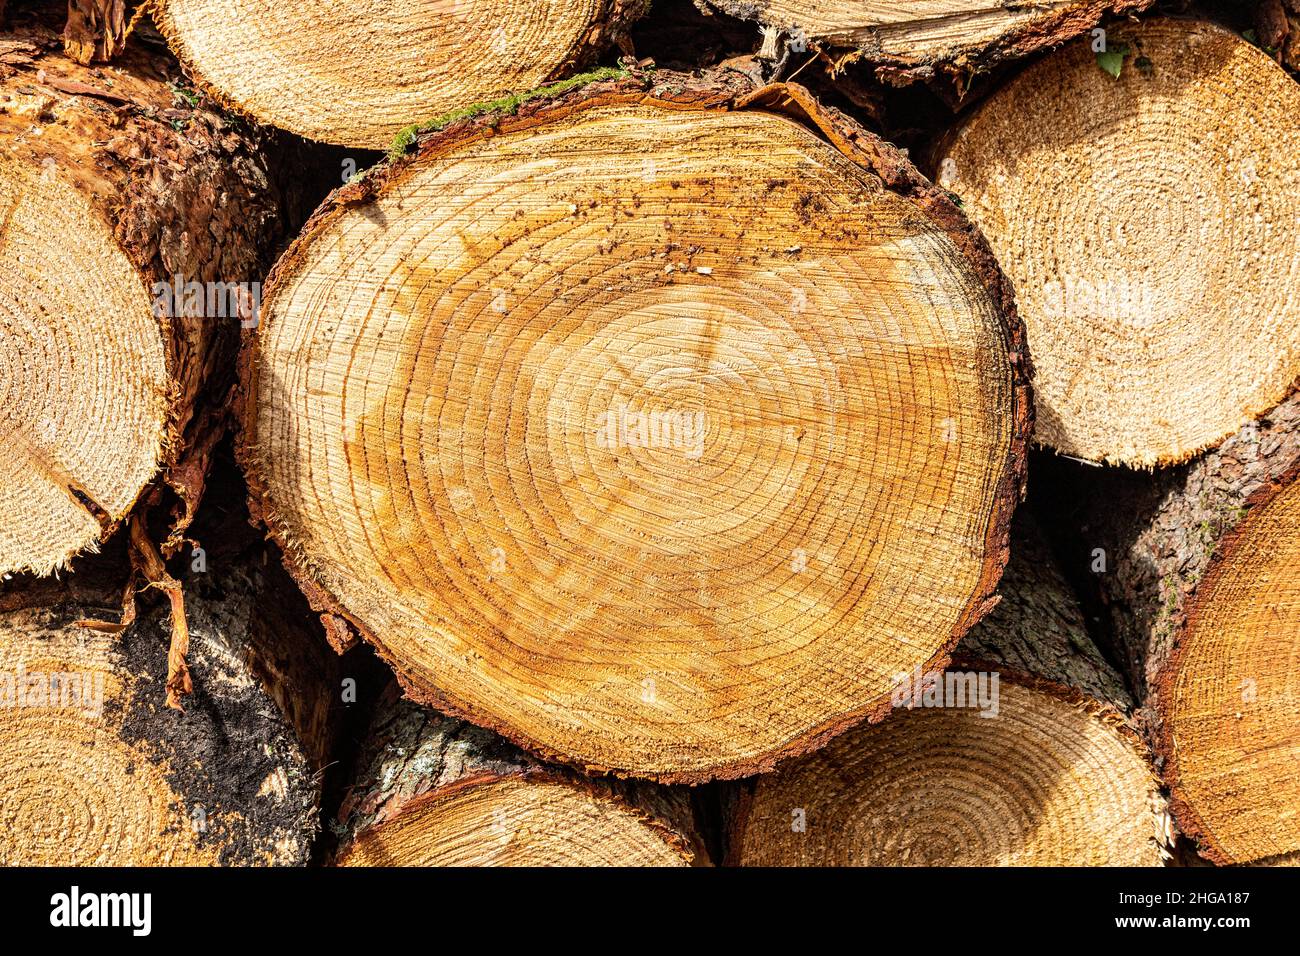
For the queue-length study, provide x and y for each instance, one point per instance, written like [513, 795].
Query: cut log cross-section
[111, 187]
[1152, 232]
[433, 791]
[1040, 769]
[919, 38]
[653, 434]
[356, 74]
[98, 771]
[1202, 580]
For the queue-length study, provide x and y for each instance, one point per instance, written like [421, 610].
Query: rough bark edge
[192, 421]
[1049, 29]
[929, 162]
[37, 31]
[214, 755]
[1019, 637]
[720, 90]
[1277, 27]
[1162, 742]
[739, 802]
[611, 25]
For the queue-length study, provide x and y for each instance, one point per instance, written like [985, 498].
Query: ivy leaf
[1112, 59]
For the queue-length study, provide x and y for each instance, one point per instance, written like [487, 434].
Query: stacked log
[1150, 233]
[1021, 754]
[433, 791]
[905, 42]
[100, 772]
[639, 447]
[1197, 568]
[358, 75]
[626, 425]
[136, 229]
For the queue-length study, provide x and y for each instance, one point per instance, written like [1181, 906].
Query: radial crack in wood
[654, 434]
[1152, 231]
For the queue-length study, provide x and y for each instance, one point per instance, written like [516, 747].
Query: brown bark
[1059, 704]
[903, 51]
[96, 30]
[1277, 28]
[1157, 532]
[420, 772]
[1038, 628]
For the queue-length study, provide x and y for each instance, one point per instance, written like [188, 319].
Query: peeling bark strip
[920, 39]
[433, 791]
[227, 782]
[1202, 578]
[96, 30]
[1053, 774]
[1150, 234]
[113, 183]
[358, 78]
[436, 468]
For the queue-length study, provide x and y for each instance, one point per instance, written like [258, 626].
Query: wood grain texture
[1201, 589]
[110, 183]
[653, 434]
[433, 791]
[358, 73]
[1053, 773]
[917, 39]
[1151, 228]
[98, 772]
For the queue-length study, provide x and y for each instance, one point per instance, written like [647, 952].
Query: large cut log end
[664, 453]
